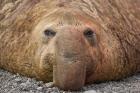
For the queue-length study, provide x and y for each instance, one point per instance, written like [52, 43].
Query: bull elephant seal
[71, 43]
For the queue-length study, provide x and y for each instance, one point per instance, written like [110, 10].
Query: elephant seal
[71, 43]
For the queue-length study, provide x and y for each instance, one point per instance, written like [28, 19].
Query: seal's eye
[90, 36]
[49, 32]
[88, 33]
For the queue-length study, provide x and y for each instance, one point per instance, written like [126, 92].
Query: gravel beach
[11, 83]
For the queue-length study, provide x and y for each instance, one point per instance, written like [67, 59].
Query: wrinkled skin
[69, 43]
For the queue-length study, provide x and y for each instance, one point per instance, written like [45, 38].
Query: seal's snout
[71, 58]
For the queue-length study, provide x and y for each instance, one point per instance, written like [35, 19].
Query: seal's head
[74, 45]
[72, 40]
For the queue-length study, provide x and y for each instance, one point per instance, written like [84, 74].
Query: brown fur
[25, 50]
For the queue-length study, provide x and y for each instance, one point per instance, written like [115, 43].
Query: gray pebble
[49, 85]
[90, 91]
[39, 88]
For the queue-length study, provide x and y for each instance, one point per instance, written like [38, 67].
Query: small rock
[49, 85]
[23, 84]
[39, 88]
[90, 91]
[17, 79]
[28, 81]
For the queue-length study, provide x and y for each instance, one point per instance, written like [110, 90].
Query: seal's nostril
[49, 32]
[69, 55]
[88, 32]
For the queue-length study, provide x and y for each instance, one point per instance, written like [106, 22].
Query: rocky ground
[10, 83]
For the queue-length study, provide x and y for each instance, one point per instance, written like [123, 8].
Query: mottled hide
[70, 42]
